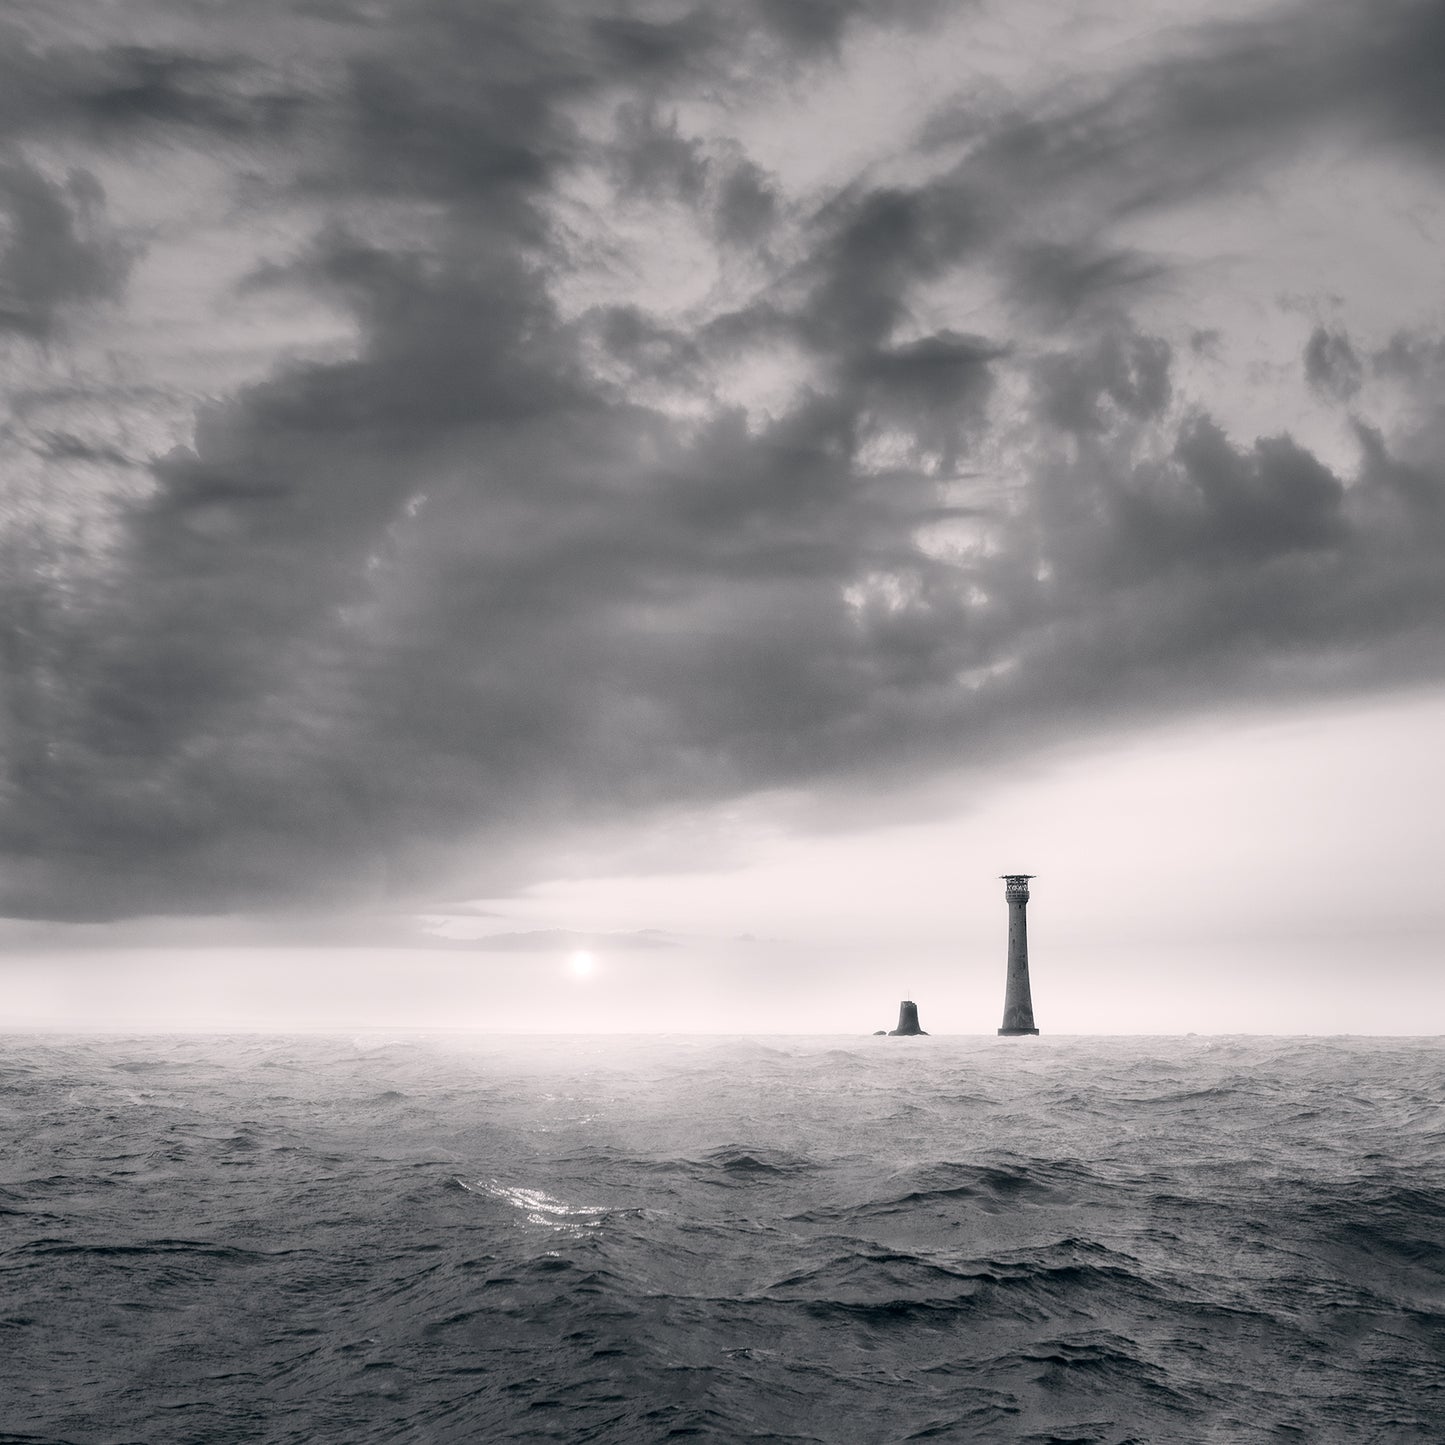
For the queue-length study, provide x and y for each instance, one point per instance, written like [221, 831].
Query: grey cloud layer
[58, 252]
[473, 584]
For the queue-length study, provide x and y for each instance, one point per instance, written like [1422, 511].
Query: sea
[451, 1238]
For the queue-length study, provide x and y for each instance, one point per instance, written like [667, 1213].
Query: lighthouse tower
[1018, 1003]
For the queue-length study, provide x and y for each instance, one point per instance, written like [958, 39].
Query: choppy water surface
[850, 1239]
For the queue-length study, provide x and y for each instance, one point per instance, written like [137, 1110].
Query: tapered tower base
[907, 1021]
[1018, 1003]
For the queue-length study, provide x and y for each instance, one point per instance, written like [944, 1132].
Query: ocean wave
[370, 1242]
[142, 1249]
[751, 1161]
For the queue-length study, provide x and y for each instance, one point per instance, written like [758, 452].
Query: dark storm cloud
[1038, 187]
[56, 247]
[1249, 567]
[1331, 364]
[1057, 282]
[934, 391]
[111, 93]
[651, 158]
[63, 446]
[470, 584]
[746, 206]
[872, 248]
[645, 347]
[1116, 372]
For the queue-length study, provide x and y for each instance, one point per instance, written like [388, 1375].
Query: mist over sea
[294, 1239]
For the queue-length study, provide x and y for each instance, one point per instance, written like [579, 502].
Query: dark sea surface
[787, 1239]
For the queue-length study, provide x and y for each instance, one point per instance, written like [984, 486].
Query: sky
[626, 516]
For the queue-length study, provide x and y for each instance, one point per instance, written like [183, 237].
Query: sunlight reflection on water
[540, 1207]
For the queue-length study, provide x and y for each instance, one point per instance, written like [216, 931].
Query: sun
[582, 964]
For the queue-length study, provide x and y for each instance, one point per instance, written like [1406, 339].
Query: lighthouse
[1018, 1003]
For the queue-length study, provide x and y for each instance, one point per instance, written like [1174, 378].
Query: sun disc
[582, 964]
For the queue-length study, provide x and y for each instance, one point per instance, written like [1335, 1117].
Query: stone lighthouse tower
[1018, 1003]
